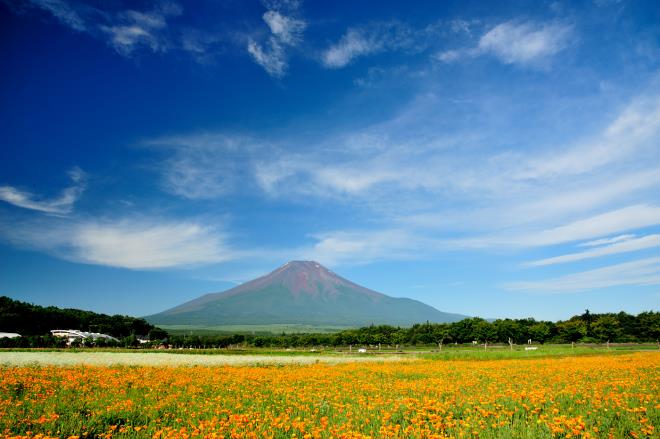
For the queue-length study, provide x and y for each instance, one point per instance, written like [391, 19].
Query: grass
[145, 357]
[544, 351]
[585, 396]
[272, 329]
[63, 358]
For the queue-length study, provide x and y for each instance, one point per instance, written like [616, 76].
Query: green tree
[540, 331]
[606, 327]
[508, 328]
[572, 330]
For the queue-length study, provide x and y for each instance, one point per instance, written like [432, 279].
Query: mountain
[300, 292]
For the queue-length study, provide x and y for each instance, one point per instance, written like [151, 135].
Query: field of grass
[586, 396]
[110, 358]
[250, 329]
[448, 352]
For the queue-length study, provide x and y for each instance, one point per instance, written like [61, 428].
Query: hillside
[301, 292]
[28, 319]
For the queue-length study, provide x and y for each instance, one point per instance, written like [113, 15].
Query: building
[9, 335]
[73, 334]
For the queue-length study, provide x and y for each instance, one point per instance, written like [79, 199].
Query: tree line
[585, 328]
[37, 321]
[34, 323]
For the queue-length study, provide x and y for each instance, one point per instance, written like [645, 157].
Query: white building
[9, 335]
[73, 334]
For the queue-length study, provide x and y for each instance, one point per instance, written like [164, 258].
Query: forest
[586, 328]
[34, 323]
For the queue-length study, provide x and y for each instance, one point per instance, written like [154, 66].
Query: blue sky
[493, 160]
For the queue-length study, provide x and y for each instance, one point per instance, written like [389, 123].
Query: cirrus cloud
[513, 42]
[61, 205]
[285, 32]
[137, 243]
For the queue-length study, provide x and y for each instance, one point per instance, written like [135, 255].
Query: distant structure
[9, 335]
[73, 334]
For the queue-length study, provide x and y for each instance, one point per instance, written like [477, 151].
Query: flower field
[587, 397]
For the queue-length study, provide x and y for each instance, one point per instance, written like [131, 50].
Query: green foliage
[621, 327]
[33, 320]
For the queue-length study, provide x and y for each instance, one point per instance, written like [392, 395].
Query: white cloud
[269, 174]
[382, 163]
[139, 245]
[608, 223]
[627, 245]
[205, 166]
[63, 11]
[132, 30]
[525, 43]
[133, 243]
[460, 26]
[351, 45]
[642, 272]
[449, 56]
[272, 60]
[521, 43]
[62, 205]
[444, 192]
[353, 180]
[605, 241]
[634, 130]
[285, 31]
[342, 247]
[127, 37]
[124, 30]
[200, 45]
[620, 220]
[367, 40]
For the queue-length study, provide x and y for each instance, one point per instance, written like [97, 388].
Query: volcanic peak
[300, 292]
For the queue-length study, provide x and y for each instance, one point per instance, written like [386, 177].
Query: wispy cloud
[380, 163]
[606, 241]
[442, 191]
[205, 166]
[273, 60]
[203, 46]
[628, 245]
[367, 40]
[642, 272]
[627, 218]
[145, 245]
[60, 205]
[635, 129]
[513, 42]
[603, 224]
[133, 243]
[351, 45]
[132, 30]
[65, 12]
[525, 43]
[355, 247]
[129, 31]
[286, 31]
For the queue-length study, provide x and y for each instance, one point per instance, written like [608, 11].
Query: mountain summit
[300, 292]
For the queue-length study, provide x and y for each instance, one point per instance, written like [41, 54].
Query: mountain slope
[300, 292]
[28, 319]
